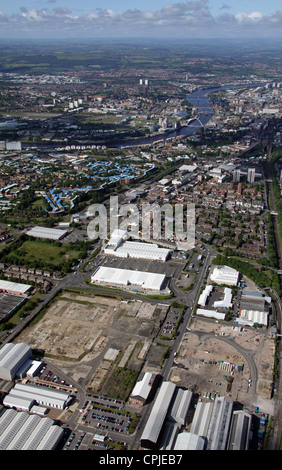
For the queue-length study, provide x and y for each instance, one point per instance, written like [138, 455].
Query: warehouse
[46, 232]
[252, 317]
[225, 275]
[124, 278]
[204, 295]
[219, 423]
[142, 389]
[36, 394]
[240, 428]
[189, 441]
[157, 416]
[22, 431]
[253, 301]
[201, 418]
[12, 358]
[9, 304]
[15, 288]
[179, 407]
[120, 247]
[210, 314]
[226, 302]
[139, 250]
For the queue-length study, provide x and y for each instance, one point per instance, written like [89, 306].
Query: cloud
[247, 17]
[181, 19]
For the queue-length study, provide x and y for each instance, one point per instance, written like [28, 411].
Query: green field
[45, 255]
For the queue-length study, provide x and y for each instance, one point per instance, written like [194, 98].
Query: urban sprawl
[131, 342]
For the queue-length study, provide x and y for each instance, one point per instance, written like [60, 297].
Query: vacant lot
[205, 363]
[93, 338]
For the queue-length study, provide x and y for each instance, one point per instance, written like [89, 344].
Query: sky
[145, 18]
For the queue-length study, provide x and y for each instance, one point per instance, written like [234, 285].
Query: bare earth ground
[88, 335]
[198, 365]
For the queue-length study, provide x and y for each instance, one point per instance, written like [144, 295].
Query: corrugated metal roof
[28, 432]
[154, 424]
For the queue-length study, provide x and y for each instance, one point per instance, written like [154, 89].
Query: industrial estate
[133, 342]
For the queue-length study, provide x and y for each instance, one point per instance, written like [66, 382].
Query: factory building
[201, 419]
[113, 277]
[226, 302]
[24, 396]
[219, 423]
[12, 359]
[189, 441]
[213, 425]
[204, 295]
[225, 275]
[22, 431]
[15, 288]
[252, 317]
[210, 313]
[179, 407]
[142, 389]
[168, 414]
[120, 247]
[239, 431]
[47, 233]
[157, 416]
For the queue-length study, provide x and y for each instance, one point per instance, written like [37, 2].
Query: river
[199, 99]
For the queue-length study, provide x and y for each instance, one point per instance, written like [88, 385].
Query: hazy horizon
[43, 19]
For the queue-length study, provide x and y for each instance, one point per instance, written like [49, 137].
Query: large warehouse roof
[189, 441]
[225, 275]
[45, 232]
[22, 431]
[140, 250]
[14, 287]
[12, 357]
[157, 416]
[19, 395]
[251, 317]
[126, 277]
[119, 246]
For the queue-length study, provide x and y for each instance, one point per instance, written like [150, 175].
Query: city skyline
[160, 19]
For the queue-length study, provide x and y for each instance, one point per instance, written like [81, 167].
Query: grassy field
[42, 255]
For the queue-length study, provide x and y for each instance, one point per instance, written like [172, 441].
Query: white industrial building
[24, 396]
[252, 317]
[168, 414]
[22, 431]
[210, 313]
[204, 295]
[46, 232]
[157, 416]
[240, 428]
[12, 359]
[180, 405]
[226, 302]
[201, 418]
[219, 423]
[142, 388]
[15, 287]
[125, 277]
[225, 275]
[168, 435]
[189, 441]
[34, 368]
[120, 247]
